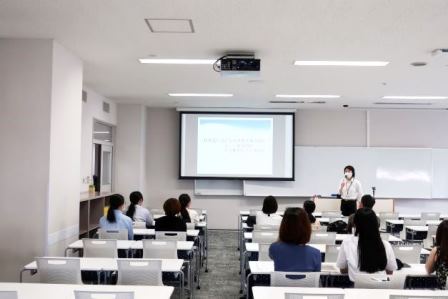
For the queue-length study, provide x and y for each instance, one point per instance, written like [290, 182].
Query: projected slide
[235, 146]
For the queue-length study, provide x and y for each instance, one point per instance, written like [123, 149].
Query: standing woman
[350, 190]
[438, 258]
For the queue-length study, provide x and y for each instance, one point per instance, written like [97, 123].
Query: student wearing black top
[367, 201]
[309, 206]
[171, 222]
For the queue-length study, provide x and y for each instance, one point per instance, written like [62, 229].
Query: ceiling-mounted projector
[237, 65]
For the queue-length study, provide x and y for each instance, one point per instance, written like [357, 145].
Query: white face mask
[348, 175]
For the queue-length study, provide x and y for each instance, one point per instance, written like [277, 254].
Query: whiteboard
[440, 173]
[395, 172]
[218, 187]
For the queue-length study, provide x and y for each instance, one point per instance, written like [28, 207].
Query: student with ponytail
[187, 215]
[138, 213]
[115, 219]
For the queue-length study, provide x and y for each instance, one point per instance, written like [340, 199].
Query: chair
[263, 252]
[137, 224]
[100, 248]
[319, 229]
[384, 216]
[260, 227]
[311, 296]
[328, 238]
[331, 253]
[385, 236]
[159, 249]
[264, 236]
[253, 212]
[175, 236]
[59, 270]
[379, 281]
[295, 279]
[409, 254]
[139, 272]
[8, 295]
[113, 234]
[430, 216]
[190, 226]
[410, 222]
[417, 297]
[331, 214]
[429, 241]
[99, 294]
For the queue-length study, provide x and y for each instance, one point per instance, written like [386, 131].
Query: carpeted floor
[222, 279]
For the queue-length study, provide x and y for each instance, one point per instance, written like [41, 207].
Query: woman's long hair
[371, 252]
[135, 198]
[184, 200]
[442, 242]
[115, 202]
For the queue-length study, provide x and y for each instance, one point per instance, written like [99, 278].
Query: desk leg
[181, 279]
[239, 232]
[247, 285]
[206, 248]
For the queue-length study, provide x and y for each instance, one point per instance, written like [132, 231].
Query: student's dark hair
[310, 207]
[115, 201]
[295, 227]
[171, 207]
[184, 200]
[368, 201]
[270, 205]
[442, 242]
[371, 252]
[350, 168]
[135, 198]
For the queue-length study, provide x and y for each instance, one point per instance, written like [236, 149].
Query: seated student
[365, 251]
[367, 201]
[188, 215]
[291, 253]
[138, 213]
[115, 218]
[171, 222]
[438, 258]
[309, 206]
[267, 214]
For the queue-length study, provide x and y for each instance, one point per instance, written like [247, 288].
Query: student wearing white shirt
[350, 190]
[267, 215]
[187, 214]
[138, 213]
[365, 251]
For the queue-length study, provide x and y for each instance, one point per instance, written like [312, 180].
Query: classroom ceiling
[111, 35]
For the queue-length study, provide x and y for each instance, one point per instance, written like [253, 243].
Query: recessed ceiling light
[176, 61]
[415, 98]
[307, 96]
[339, 63]
[222, 95]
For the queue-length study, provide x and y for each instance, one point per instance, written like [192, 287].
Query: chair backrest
[100, 248]
[414, 222]
[379, 281]
[385, 236]
[409, 254]
[139, 272]
[263, 251]
[327, 238]
[311, 296]
[264, 236]
[190, 225]
[429, 241]
[331, 214]
[319, 229]
[176, 236]
[430, 296]
[253, 212]
[331, 253]
[113, 234]
[59, 270]
[103, 295]
[138, 224]
[384, 216]
[153, 249]
[295, 279]
[8, 295]
[430, 216]
[270, 227]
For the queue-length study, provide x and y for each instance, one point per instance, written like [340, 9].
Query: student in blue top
[115, 218]
[290, 253]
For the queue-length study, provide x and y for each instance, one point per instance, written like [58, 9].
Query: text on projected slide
[235, 146]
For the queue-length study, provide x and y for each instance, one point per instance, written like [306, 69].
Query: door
[106, 168]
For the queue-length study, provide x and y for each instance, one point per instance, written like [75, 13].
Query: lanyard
[348, 188]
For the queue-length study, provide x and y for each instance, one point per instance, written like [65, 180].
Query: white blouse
[351, 189]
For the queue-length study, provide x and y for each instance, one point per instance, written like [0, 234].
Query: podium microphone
[373, 191]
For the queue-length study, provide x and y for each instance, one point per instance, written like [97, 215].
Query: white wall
[130, 150]
[313, 127]
[65, 149]
[92, 110]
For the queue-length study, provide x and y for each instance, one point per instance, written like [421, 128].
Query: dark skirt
[348, 206]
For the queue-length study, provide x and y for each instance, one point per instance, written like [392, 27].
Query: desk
[150, 232]
[66, 291]
[279, 292]
[339, 238]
